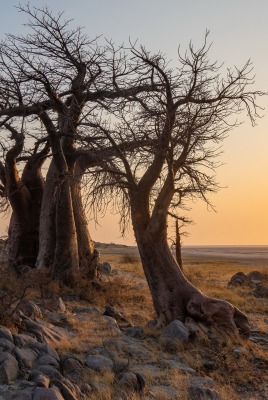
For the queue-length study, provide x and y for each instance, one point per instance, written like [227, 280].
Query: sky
[238, 31]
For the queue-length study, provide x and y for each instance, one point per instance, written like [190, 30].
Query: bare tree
[187, 120]
[56, 77]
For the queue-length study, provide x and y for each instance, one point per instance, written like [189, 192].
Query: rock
[6, 334]
[255, 276]
[6, 345]
[120, 395]
[44, 348]
[9, 368]
[99, 363]
[113, 325]
[55, 305]
[203, 393]
[177, 364]
[23, 340]
[72, 368]
[261, 291]
[135, 332]
[47, 394]
[105, 268]
[173, 335]
[40, 380]
[50, 371]
[132, 381]
[204, 381]
[26, 357]
[111, 312]
[238, 351]
[239, 279]
[30, 309]
[47, 359]
[86, 310]
[160, 392]
[66, 392]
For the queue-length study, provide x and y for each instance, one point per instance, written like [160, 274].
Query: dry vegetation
[236, 377]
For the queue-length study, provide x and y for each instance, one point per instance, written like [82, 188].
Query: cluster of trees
[114, 125]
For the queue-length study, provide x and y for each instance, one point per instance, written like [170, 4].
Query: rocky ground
[66, 347]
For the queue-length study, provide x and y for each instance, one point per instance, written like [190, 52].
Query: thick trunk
[47, 226]
[174, 297]
[178, 246]
[66, 260]
[85, 244]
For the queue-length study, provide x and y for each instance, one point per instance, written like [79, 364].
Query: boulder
[30, 309]
[99, 363]
[255, 276]
[132, 381]
[26, 357]
[104, 268]
[261, 291]
[47, 359]
[9, 368]
[203, 393]
[6, 345]
[6, 334]
[173, 335]
[239, 279]
[47, 394]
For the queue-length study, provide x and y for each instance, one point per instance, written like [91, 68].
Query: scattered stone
[6, 334]
[47, 394]
[71, 368]
[87, 310]
[239, 279]
[66, 392]
[111, 312]
[160, 392]
[26, 357]
[50, 371]
[238, 351]
[40, 380]
[24, 340]
[6, 345]
[204, 381]
[261, 291]
[203, 393]
[113, 325]
[135, 332]
[132, 381]
[176, 364]
[105, 268]
[173, 335]
[9, 368]
[99, 363]
[47, 359]
[120, 395]
[30, 309]
[55, 305]
[255, 276]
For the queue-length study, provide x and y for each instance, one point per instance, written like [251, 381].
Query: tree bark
[174, 297]
[85, 243]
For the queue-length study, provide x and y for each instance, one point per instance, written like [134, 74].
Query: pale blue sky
[238, 30]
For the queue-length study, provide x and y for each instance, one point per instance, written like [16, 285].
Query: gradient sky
[238, 30]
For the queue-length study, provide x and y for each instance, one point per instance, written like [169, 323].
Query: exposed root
[219, 313]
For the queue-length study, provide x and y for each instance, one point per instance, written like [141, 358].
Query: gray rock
[99, 363]
[203, 393]
[23, 340]
[105, 268]
[47, 394]
[9, 368]
[129, 381]
[72, 368]
[113, 325]
[160, 392]
[261, 291]
[30, 309]
[239, 279]
[173, 335]
[6, 334]
[40, 380]
[47, 359]
[50, 371]
[120, 395]
[255, 276]
[135, 332]
[87, 310]
[26, 357]
[44, 348]
[66, 392]
[200, 381]
[176, 364]
[238, 351]
[6, 345]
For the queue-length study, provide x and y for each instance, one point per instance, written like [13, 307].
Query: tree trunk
[178, 246]
[47, 227]
[174, 297]
[85, 244]
[66, 260]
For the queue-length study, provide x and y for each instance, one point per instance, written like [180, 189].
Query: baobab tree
[187, 119]
[56, 78]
